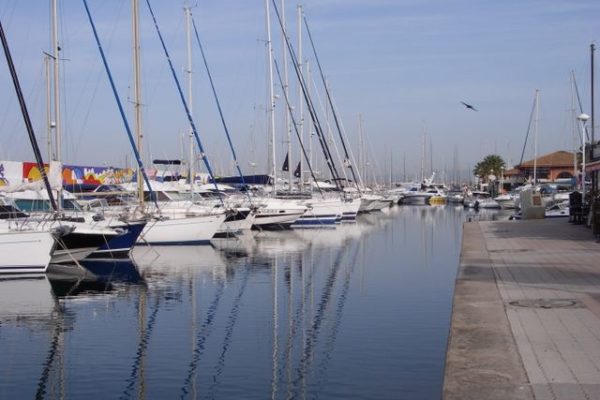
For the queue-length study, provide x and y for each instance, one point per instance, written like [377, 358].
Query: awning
[593, 166]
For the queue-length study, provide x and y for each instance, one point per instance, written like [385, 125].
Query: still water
[357, 312]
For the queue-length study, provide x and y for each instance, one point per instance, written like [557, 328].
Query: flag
[286, 166]
[297, 171]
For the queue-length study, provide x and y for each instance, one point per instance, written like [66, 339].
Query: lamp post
[582, 118]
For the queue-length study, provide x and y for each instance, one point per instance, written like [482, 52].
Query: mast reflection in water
[360, 311]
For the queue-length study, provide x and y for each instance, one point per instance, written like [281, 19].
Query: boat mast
[287, 111]
[310, 133]
[49, 123]
[535, 134]
[56, 84]
[137, 93]
[423, 156]
[592, 120]
[574, 123]
[26, 118]
[271, 96]
[361, 150]
[188, 17]
[300, 98]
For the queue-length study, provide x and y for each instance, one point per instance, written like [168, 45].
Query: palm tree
[490, 165]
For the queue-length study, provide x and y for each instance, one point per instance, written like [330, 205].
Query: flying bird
[469, 106]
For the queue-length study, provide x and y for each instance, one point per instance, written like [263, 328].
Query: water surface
[357, 312]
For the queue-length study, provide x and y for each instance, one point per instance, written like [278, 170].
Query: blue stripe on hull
[315, 221]
[349, 216]
[186, 243]
[120, 245]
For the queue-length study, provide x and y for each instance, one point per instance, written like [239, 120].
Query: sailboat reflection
[316, 299]
[91, 276]
[25, 299]
[291, 289]
[178, 260]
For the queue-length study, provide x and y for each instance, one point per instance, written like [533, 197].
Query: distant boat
[506, 200]
[478, 199]
[558, 210]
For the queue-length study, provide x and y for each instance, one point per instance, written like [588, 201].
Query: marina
[252, 200]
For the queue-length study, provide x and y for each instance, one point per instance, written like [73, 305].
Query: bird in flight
[469, 106]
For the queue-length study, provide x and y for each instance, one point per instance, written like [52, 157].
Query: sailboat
[327, 203]
[23, 248]
[88, 232]
[272, 212]
[170, 223]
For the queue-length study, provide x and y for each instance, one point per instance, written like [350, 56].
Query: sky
[397, 69]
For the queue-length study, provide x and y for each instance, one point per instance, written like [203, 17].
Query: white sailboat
[24, 250]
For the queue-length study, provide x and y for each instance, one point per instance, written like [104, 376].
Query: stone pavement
[526, 313]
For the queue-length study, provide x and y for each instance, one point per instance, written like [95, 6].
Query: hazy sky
[404, 65]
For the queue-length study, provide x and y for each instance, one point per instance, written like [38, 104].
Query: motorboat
[480, 199]
[557, 210]
[506, 200]
[455, 196]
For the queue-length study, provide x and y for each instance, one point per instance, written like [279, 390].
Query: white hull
[321, 212]
[72, 255]
[382, 204]
[481, 203]
[238, 225]
[25, 252]
[371, 202]
[241, 225]
[505, 201]
[278, 213]
[190, 230]
[267, 218]
[350, 210]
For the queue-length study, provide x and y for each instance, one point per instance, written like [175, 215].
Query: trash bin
[575, 210]
[596, 218]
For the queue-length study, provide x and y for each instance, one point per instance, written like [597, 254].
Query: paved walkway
[526, 313]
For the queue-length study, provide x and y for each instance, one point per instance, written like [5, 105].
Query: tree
[490, 165]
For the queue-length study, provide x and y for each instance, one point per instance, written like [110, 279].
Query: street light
[582, 118]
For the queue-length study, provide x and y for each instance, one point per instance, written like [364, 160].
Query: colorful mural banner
[16, 172]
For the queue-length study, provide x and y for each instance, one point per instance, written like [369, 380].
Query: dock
[526, 313]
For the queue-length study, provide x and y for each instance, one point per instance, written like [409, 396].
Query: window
[564, 175]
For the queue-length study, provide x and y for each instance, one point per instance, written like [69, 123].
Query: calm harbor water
[357, 312]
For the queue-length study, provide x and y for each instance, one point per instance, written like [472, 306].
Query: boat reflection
[286, 291]
[91, 277]
[178, 261]
[24, 299]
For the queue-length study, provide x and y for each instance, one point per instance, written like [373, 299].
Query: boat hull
[80, 243]
[320, 213]
[415, 200]
[25, 252]
[181, 231]
[350, 210]
[120, 246]
[269, 220]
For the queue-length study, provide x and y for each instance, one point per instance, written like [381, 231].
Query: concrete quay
[526, 313]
